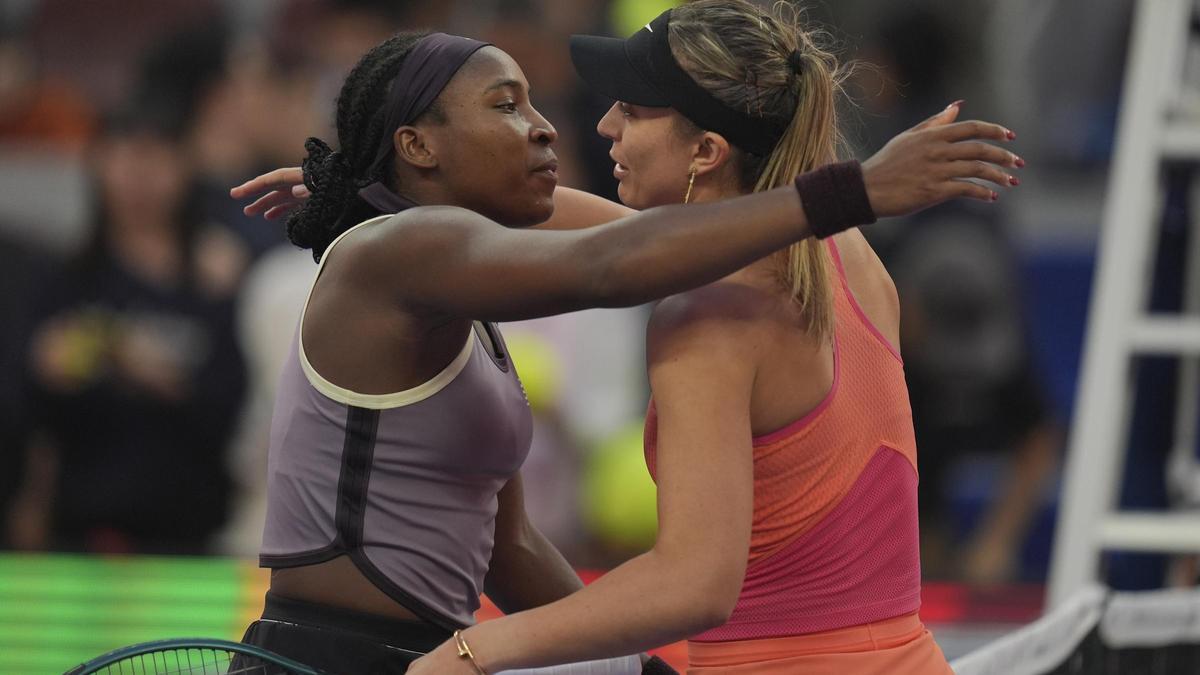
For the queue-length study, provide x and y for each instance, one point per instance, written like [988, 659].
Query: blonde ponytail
[768, 64]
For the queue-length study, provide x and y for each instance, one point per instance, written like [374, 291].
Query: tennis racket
[192, 656]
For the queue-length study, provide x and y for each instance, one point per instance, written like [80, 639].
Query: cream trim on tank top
[376, 401]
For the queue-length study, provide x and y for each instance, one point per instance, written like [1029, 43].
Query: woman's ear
[413, 148]
[711, 153]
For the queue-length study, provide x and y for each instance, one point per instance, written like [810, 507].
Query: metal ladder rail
[1118, 328]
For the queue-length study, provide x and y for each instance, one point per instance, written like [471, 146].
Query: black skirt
[340, 641]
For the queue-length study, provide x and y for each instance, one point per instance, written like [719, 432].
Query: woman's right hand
[284, 190]
[929, 163]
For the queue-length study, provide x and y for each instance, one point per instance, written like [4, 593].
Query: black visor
[641, 70]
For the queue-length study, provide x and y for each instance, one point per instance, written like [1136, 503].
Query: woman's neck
[714, 192]
[420, 189]
[762, 273]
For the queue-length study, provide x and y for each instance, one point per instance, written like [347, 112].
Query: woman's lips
[549, 171]
[620, 171]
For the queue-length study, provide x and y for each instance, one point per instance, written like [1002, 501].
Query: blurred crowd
[146, 318]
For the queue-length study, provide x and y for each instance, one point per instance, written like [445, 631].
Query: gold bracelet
[464, 652]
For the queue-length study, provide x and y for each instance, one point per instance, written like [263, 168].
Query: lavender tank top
[403, 483]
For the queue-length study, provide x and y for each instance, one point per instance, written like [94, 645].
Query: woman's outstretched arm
[451, 261]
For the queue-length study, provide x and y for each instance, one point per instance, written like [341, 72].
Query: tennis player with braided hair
[394, 494]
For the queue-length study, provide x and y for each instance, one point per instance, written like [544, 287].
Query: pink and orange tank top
[834, 540]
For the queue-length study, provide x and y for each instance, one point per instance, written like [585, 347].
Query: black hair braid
[334, 177]
[327, 178]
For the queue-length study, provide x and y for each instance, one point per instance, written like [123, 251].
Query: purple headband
[426, 71]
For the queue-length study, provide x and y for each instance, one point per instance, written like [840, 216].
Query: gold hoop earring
[691, 181]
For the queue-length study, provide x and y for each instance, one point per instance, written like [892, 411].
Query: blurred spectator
[1057, 69]
[234, 102]
[974, 391]
[910, 52]
[972, 380]
[25, 271]
[97, 45]
[35, 110]
[134, 366]
[45, 124]
[348, 28]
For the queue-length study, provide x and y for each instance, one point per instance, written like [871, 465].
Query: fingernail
[956, 104]
[1020, 163]
[1011, 135]
[1013, 180]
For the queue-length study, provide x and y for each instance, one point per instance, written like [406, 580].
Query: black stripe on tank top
[358, 453]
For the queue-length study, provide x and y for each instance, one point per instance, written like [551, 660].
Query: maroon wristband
[835, 198]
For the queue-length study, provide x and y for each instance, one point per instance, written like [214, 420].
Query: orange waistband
[865, 638]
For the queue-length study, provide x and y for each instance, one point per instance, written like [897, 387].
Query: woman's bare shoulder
[721, 312]
[869, 281]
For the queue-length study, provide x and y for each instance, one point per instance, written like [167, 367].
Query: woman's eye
[510, 106]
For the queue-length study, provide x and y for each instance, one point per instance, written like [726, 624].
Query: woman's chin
[627, 195]
[538, 214]
[635, 200]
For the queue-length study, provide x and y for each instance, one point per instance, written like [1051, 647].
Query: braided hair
[335, 177]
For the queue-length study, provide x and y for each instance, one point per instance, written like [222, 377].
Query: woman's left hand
[442, 661]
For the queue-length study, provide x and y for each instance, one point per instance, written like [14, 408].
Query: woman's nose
[609, 125]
